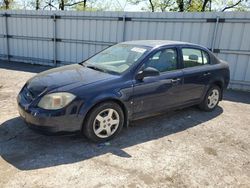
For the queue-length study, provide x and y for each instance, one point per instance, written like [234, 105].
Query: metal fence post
[54, 38]
[6, 36]
[215, 33]
[123, 27]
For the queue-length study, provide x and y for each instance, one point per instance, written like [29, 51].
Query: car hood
[69, 75]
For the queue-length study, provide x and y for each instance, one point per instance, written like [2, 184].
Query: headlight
[56, 101]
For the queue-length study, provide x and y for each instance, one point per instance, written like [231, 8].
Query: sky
[131, 7]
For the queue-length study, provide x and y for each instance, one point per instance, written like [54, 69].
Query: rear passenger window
[194, 57]
[205, 57]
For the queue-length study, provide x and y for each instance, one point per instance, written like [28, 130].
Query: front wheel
[211, 99]
[104, 122]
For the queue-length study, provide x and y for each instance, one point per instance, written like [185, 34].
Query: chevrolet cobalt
[125, 82]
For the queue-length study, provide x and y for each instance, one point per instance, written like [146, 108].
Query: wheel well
[124, 109]
[219, 84]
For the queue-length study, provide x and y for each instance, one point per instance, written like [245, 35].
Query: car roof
[157, 43]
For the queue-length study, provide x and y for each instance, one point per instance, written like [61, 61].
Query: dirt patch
[210, 151]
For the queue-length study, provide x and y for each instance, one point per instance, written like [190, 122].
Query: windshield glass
[116, 59]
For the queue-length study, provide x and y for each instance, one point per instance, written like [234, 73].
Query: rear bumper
[50, 122]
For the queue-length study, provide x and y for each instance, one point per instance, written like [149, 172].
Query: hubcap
[106, 123]
[213, 98]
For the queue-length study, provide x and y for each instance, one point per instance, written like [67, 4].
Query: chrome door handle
[206, 74]
[174, 81]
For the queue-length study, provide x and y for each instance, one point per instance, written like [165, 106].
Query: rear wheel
[104, 122]
[211, 99]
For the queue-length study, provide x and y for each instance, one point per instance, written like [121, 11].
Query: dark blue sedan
[127, 81]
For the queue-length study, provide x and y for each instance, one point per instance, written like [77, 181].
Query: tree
[192, 5]
[180, 4]
[164, 5]
[97, 5]
[37, 5]
[152, 5]
[50, 4]
[147, 5]
[6, 4]
[232, 5]
[155, 5]
[61, 4]
[66, 3]
[206, 5]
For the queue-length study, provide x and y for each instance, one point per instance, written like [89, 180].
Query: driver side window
[163, 60]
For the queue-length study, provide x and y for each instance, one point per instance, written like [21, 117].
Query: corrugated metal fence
[63, 37]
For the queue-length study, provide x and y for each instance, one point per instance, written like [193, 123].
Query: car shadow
[25, 67]
[237, 96]
[27, 150]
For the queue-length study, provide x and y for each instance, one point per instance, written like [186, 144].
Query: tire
[211, 99]
[104, 122]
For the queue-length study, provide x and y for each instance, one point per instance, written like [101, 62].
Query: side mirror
[149, 71]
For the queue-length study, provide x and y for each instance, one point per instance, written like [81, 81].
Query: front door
[155, 94]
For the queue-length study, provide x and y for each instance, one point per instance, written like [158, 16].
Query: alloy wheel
[106, 123]
[213, 98]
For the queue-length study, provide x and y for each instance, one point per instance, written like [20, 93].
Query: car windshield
[116, 59]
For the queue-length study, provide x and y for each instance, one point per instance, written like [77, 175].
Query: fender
[117, 97]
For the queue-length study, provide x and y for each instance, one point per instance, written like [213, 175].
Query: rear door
[196, 73]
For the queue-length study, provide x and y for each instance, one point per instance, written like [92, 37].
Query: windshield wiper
[96, 68]
[81, 64]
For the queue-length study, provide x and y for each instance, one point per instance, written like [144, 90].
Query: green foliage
[195, 6]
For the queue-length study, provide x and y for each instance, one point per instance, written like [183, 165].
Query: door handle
[206, 74]
[176, 80]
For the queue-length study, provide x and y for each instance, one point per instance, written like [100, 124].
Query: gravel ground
[186, 148]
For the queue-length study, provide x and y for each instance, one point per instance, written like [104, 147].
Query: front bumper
[50, 121]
